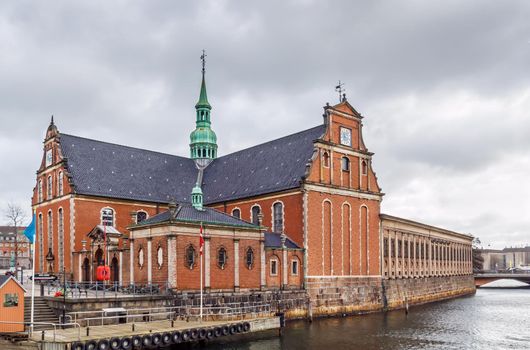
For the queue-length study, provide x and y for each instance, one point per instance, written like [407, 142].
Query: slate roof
[110, 170]
[272, 166]
[187, 213]
[105, 169]
[274, 240]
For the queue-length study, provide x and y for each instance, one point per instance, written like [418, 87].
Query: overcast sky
[443, 85]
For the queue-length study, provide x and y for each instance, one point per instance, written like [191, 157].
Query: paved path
[120, 330]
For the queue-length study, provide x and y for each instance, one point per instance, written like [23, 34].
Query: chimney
[172, 209]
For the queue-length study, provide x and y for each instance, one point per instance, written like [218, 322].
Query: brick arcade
[298, 212]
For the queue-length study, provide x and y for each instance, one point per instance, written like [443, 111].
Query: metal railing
[103, 289]
[31, 325]
[229, 311]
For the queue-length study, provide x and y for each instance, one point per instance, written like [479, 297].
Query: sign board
[44, 277]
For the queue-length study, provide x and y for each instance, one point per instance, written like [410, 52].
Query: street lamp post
[64, 295]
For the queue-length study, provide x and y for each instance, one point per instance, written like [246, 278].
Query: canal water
[490, 319]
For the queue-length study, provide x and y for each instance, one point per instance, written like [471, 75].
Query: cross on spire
[341, 90]
[203, 59]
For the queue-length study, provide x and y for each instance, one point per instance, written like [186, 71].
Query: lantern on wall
[103, 273]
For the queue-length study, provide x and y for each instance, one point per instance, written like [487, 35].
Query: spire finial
[203, 59]
[52, 120]
[340, 89]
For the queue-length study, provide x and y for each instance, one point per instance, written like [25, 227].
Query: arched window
[277, 210]
[60, 229]
[364, 167]
[41, 242]
[60, 183]
[39, 191]
[221, 257]
[190, 257]
[141, 216]
[160, 257]
[99, 257]
[345, 164]
[49, 187]
[249, 258]
[141, 257]
[256, 210]
[107, 217]
[236, 213]
[50, 230]
[325, 160]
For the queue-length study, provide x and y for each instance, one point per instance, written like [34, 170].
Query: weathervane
[340, 89]
[203, 59]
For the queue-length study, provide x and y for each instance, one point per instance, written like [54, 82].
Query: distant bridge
[483, 278]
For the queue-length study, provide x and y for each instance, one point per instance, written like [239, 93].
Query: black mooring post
[87, 331]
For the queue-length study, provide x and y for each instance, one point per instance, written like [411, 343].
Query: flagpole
[201, 288]
[33, 278]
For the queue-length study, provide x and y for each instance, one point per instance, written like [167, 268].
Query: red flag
[201, 240]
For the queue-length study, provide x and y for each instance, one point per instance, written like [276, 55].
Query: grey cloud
[129, 73]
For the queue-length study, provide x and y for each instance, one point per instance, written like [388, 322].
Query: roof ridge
[125, 146]
[266, 142]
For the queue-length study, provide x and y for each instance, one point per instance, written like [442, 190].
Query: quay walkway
[145, 335]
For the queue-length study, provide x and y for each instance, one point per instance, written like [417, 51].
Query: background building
[11, 245]
[500, 260]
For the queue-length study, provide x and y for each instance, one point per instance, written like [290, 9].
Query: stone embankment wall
[331, 296]
[293, 302]
[328, 296]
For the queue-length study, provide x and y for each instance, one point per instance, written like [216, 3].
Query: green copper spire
[203, 141]
[203, 97]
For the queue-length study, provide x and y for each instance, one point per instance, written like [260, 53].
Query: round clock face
[345, 136]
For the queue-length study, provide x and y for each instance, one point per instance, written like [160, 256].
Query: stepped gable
[270, 167]
[187, 213]
[109, 170]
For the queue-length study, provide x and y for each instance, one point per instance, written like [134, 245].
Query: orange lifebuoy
[103, 273]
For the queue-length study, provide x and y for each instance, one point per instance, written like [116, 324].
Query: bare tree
[16, 216]
[478, 259]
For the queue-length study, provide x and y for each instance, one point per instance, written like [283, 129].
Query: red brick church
[276, 215]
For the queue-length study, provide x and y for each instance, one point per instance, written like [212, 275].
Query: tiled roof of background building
[110, 170]
[187, 213]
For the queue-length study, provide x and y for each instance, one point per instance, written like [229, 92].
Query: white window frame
[252, 215]
[60, 182]
[274, 229]
[274, 260]
[325, 153]
[232, 212]
[39, 191]
[342, 163]
[49, 187]
[141, 211]
[293, 263]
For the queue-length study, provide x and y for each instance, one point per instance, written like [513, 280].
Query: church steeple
[203, 141]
